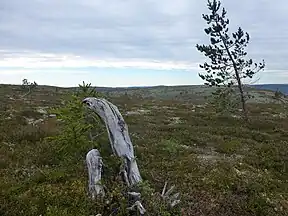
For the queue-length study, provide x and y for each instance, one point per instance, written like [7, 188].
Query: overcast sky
[129, 42]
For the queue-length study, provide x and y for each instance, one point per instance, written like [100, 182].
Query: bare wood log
[94, 165]
[118, 135]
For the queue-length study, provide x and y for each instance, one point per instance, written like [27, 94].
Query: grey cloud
[161, 30]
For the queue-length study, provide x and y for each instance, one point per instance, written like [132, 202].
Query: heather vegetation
[219, 164]
[223, 157]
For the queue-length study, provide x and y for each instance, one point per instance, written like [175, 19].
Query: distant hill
[273, 87]
[193, 93]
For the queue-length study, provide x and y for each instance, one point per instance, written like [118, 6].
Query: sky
[129, 42]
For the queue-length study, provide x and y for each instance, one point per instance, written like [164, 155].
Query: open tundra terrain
[220, 165]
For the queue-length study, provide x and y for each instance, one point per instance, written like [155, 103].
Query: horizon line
[141, 86]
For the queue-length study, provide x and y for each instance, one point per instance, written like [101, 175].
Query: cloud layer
[120, 29]
[141, 34]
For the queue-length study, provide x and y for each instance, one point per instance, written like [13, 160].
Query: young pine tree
[229, 65]
[78, 125]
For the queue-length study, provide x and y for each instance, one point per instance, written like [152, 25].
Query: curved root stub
[94, 165]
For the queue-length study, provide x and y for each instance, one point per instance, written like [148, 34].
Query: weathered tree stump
[121, 146]
[118, 135]
[94, 165]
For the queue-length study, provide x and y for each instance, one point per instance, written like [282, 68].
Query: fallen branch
[137, 205]
[172, 200]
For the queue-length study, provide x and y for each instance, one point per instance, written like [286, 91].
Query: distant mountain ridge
[262, 87]
[273, 87]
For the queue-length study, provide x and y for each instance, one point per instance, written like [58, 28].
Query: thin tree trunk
[243, 102]
[238, 79]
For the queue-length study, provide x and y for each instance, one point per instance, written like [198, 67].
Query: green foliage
[229, 147]
[27, 86]
[87, 90]
[75, 127]
[270, 156]
[227, 54]
[283, 100]
[154, 203]
[223, 100]
[228, 63]
[278, 94]
[30, 113]
[74, 141]
[170, 146]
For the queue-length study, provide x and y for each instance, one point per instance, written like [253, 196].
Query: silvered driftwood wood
[118, 135]
[137, 205]
[94, 165]
[171, 199]
[121, 146]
